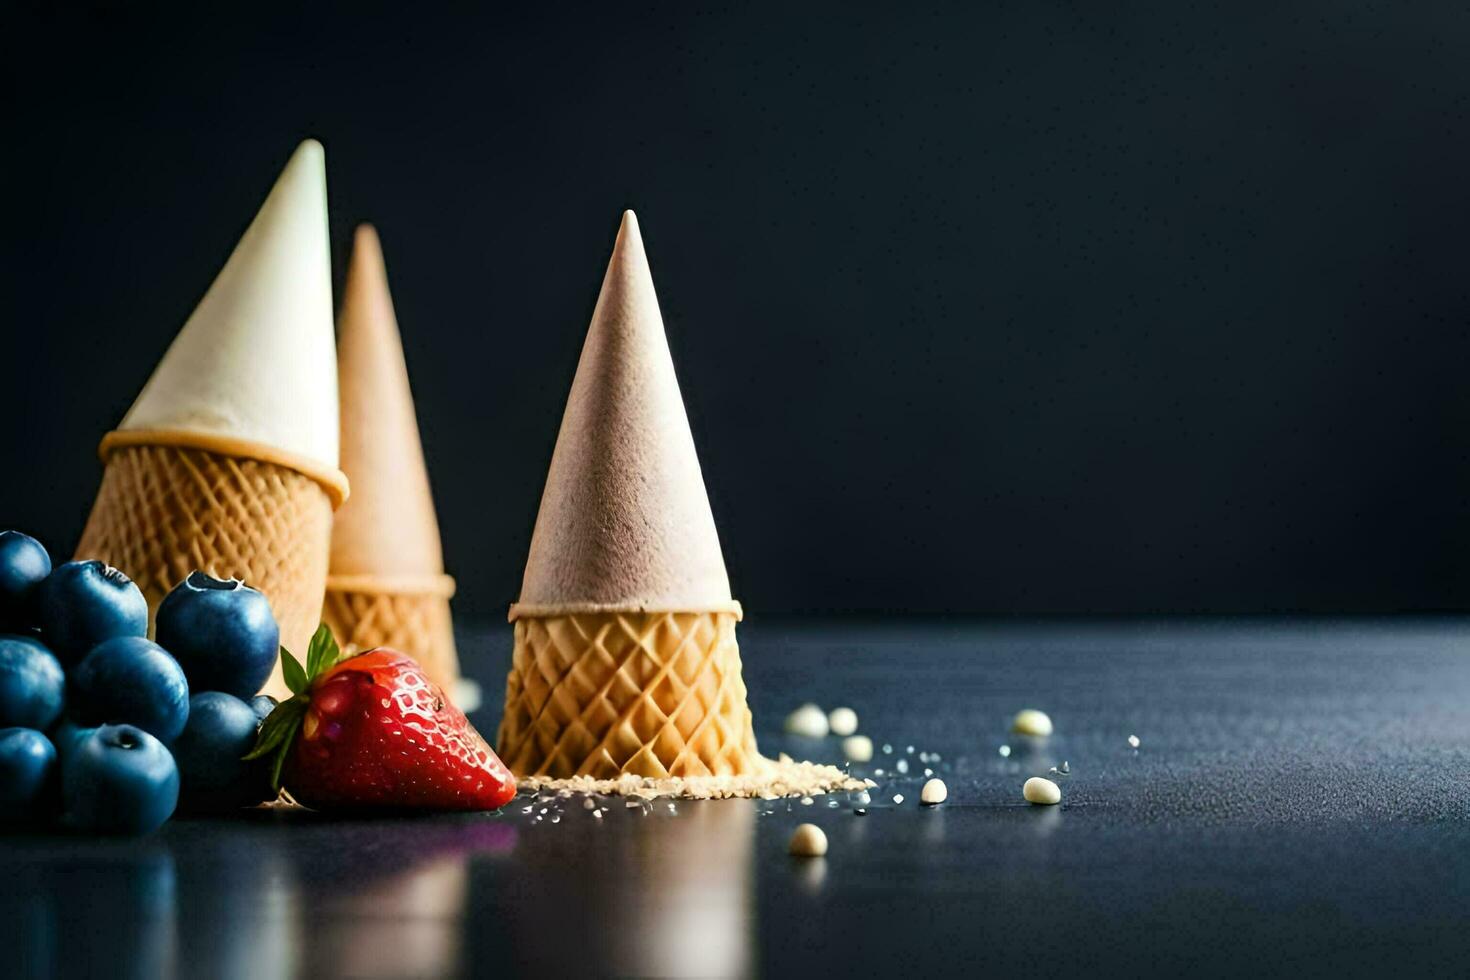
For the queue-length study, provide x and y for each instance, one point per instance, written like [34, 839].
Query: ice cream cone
[625, 659]
[386, 585]
[227, 461]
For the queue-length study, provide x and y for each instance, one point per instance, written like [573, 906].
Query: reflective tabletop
[1298, 802]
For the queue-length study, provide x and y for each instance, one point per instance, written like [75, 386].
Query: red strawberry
[373, 732]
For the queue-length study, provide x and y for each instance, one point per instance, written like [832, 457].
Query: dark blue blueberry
[132, 681]
[263, 705]
[24, 565]
[83, 603]
[32, 684]
[213, 774]
[118, 780]
[221, 631]
[67, 735]
[28, 783]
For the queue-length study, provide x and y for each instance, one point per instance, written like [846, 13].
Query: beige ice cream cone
[625, 658]
[386, 585]
[227, 462]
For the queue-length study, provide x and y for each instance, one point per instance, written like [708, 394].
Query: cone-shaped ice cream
[386, 585]
[625, 657]
[227, 462]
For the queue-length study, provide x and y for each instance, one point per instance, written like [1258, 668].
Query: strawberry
[372, 732]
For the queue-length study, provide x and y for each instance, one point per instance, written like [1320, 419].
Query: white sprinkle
[911, 750]
[808, 841]
[1031, 722]
[898, 797]
[858, 748]
[842, 721]
[902, 765]
[934, 792]
[597, 814]
[1065, 768]
[588, 804]
[1005, 751]
[1042, 791]
[1133, 741]
[862, 798]
[928, 772]
[887, 749]
[807, 801]
[808, 720]
[880, 771]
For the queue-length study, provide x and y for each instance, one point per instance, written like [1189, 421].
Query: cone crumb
[1041, 791]
[808, 841]
[1032, 722]
[777, 779]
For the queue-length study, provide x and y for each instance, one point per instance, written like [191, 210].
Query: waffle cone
[366, 612]
[601, 694]
[386, 585]
[166, 510]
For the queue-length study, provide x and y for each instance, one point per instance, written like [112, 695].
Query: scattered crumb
[934, 792]
[466, 695]
[779, 779]
[1031, 722]
[842, 721]
[858, 748]
[897, 797]
[808, 720]
[1042, 791]
[808, 841]
[1133, 741]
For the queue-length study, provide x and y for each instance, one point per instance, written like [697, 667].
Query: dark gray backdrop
[1037, 307]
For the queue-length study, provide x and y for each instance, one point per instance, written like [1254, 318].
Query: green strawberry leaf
[322, 653]
[277, 734]
[291, 669]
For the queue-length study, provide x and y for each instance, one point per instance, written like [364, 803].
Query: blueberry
[24, 565]
[262, 705]
[32, 684]
[83, 603]
[213, 774]
[132, 681]
[118, 779]
[67, 735]
[222, 632]
[27, 776]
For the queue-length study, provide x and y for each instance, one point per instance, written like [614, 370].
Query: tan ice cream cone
[386, 585]
[227, 462]
[625, 658]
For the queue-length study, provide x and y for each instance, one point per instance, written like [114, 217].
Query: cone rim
[331, 479]
[441, 586]
[549, 610]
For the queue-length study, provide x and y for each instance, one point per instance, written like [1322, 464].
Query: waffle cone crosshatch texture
[164, 511]
[652, 694]
[365, 613]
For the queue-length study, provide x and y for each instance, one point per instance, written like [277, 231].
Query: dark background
[1041, 307]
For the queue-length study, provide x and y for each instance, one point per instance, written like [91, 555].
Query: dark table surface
[1299, 804]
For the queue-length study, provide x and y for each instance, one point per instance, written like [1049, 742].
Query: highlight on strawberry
[372, 732]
